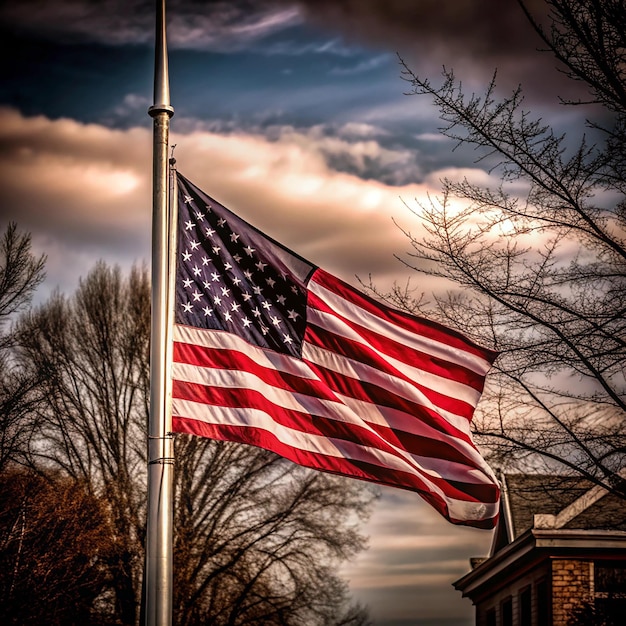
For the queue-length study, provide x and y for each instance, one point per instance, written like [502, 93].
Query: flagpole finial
[161, 73]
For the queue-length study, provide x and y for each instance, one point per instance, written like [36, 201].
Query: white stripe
[404, 422]
[362, 372]
[223, 340]
[317, 444]
[298, 367]
[399, 334]
[445, 386]
[398, 419]
[339, 410]
[290, 400]
[311, 405]
[307, 442]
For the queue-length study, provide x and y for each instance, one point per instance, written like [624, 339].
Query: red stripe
[363, 354]
[382, 438]
[414, 324]
[379, 396]
[234, 360]
[315, 424]
[403, 353]
[346, 467]
[324, 388]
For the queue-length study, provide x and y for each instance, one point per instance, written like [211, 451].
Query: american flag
[272, 351]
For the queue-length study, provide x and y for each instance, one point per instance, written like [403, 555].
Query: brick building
[558, 557]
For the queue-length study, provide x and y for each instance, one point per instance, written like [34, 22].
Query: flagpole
[158, 572]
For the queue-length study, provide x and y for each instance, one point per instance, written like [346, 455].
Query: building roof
[551, 501]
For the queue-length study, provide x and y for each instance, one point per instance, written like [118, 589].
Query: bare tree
[90, 354]
[538, 260]
[262, 544]
[20, 273]
[257, 539]
[54, 545]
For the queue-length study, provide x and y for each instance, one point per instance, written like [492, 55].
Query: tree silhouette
[20, 273]
[257, 538]
[54, 547]
[538, 260]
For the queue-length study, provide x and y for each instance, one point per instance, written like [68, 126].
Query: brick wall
[571, 586]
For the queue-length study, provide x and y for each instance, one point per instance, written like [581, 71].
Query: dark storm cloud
[217, 24]
[483, 29]
[473, 36]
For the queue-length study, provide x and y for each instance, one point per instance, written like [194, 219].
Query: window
[525, 607]
[610, 592]
[610, 578]
[542, 590]
[507, 612]
[491, 618]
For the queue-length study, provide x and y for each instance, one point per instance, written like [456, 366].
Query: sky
[294, 114]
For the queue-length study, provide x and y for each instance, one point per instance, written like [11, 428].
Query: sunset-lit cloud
[87, 188]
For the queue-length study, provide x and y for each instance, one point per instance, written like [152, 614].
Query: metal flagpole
[158, 572]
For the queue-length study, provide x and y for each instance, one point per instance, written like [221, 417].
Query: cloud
[83, 190]
[217, 24]
[473, 37]
[412, 561]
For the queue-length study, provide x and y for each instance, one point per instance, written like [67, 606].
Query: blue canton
[229, 277]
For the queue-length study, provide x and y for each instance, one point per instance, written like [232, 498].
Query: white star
[237, 258]
[281, 299]
[287, 338]
[209, 232]
[248, 250]
[215, 276]
[225, 291]
[256, 312]
[271, 282]
[266, 305]
[186, 256]
[187, 282]
[236, 281]
[294, 289]
[188, 199]
[228, 266]
[246, 322]
[248, 274]
[257, 290]
[194, 245]
[196, 295]
[216, 249]
[221, 222]
[264, 329]
[275, 320]
[234, 237]
[261, 266]
[207, 284]
[217, 300]
[235, 306]
[246, 296]
[189, 225]
[207, 311]
[187, 307]
[227, 316]
[196, 270]
[199, 216]
[293, 315]
[205, 260]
